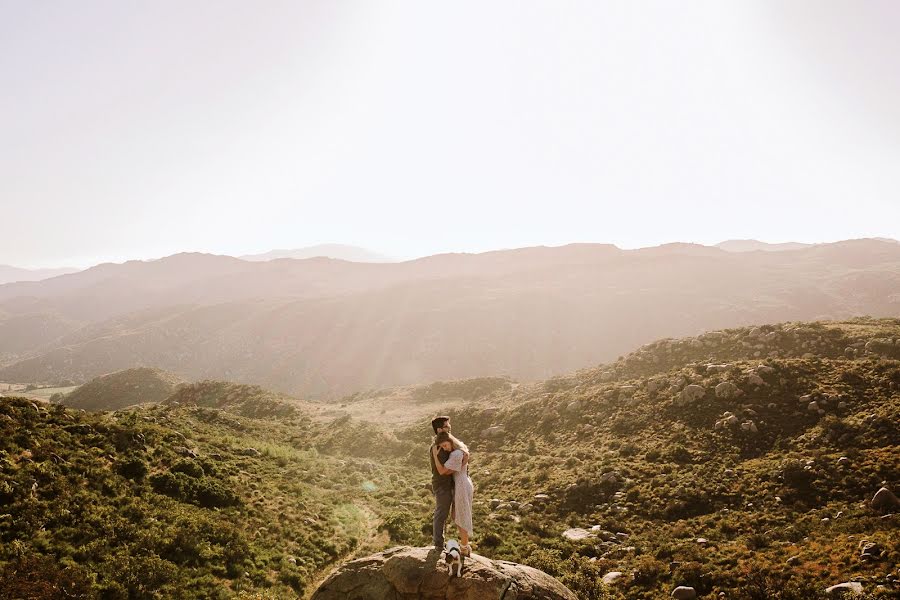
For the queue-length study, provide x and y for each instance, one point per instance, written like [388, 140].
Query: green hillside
[701, 472]
[122, 388]
[181, 502]
[709, 462]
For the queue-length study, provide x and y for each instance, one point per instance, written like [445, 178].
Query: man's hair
[439, 422]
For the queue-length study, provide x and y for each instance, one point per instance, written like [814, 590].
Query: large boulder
[684, 592]
[885, 500]
[845, 590]
[494, 431]
[727, 390]
[577, 534]
[406, 573]
[690, 394]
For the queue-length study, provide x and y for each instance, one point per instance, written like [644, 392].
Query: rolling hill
[12, 274]
[744, 461]
[122, 388]
[326, 328]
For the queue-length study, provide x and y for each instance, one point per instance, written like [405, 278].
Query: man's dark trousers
[442, 487]
[443, 499]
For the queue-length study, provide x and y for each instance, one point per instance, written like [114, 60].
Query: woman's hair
[447, 437]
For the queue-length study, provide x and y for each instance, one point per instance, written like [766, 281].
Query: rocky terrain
[758, 462]
[419, 573]
[758, 456]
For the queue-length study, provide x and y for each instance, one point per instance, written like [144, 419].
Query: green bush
[133, 467]
[42, 578]
[400, 525]
[188, 467]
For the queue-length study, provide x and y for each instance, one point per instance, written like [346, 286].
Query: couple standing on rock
[453, 490]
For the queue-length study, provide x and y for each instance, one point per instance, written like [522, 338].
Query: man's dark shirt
[439, 481]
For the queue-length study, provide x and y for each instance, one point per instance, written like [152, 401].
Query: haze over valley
[324, 328]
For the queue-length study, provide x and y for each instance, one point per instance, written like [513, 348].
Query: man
[441, 485]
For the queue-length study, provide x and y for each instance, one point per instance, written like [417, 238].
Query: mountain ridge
[326, 328]
[10, 274]
[338, 251]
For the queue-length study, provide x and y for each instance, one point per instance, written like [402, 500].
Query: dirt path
[375, 541]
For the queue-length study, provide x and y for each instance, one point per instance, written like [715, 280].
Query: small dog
[453, 556]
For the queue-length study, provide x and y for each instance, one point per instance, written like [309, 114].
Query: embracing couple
[453, 490]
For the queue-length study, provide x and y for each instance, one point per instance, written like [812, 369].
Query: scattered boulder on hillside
[690, 394]
[753, 378]
[494, 431]
[612, 577]
[419, 573]
[186, 452]
[845, 590]
[884, 500]
[728, 419]
[684, 592]
[749, 426]
[576, 534]
[655, 385]
[727, 390]
[869, 550]
[886, 347]
[573, 407]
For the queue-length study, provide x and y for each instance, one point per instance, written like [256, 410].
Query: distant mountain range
[322, 327]
[11, 274]
[338, 251]
[754, 245]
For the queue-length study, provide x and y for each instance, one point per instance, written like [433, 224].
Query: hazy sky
[139, 129]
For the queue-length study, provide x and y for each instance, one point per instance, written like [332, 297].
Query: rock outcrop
[406, 573]
[885, 500]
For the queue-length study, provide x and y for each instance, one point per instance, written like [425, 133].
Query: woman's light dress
[463, 490]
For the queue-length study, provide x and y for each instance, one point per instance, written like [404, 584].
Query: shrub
[761, 585]
[796, 476]
[188, 467]
[209, 493]
[400, 525]
[133, 467]
[647, 570]
[680, 454]
[42, 578]
[204, 491]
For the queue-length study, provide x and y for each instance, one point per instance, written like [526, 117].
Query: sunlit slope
[704, 470]
[182, 502]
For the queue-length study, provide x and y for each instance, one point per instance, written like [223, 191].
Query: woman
[463, 490]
